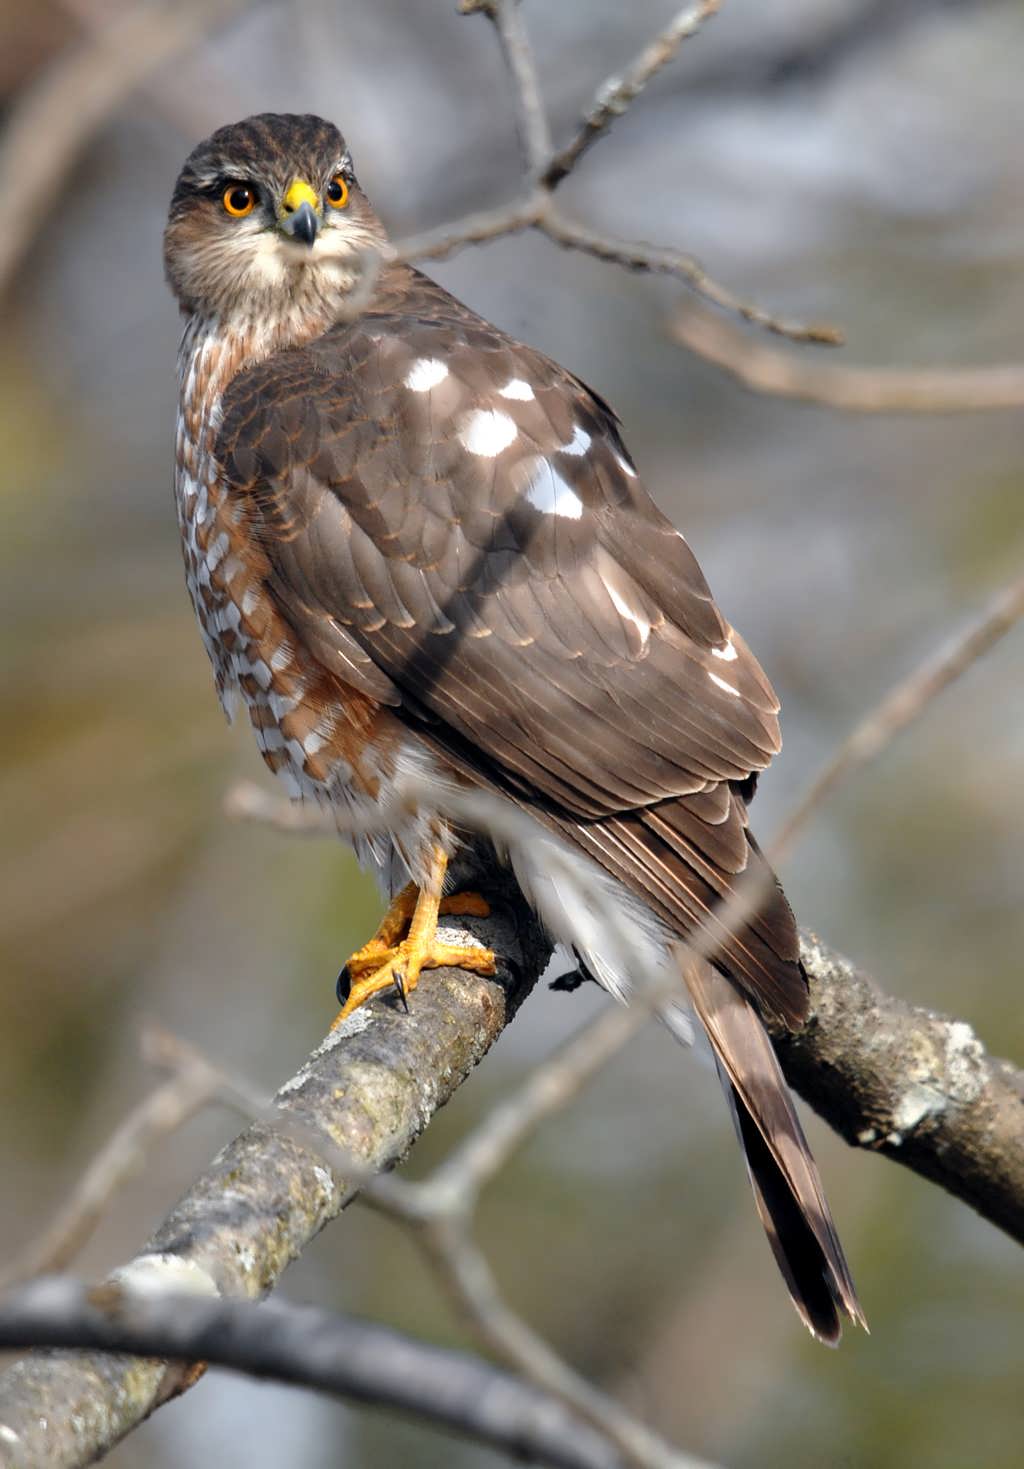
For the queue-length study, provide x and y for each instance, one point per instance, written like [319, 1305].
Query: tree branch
[638, 255]
[192, 1085]
[532, 118]
[905, 703]
[356, 1360]
[368, 1090]
[54, 120]
[853, 389]
[915, 1086]
[617, 93]
[833, 37]
[911, 1084]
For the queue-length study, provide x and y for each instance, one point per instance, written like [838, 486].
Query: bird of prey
[420, 550]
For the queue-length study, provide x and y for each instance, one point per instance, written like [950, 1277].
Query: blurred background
[837, 159]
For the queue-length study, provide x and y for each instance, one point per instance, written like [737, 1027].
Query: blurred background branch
[356, 1360]
[192, 1085]
[59, 113]
[762, 369]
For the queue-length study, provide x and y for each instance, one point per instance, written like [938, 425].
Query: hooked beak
[299, 217]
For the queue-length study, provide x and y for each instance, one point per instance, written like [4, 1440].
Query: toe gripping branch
[406, 942]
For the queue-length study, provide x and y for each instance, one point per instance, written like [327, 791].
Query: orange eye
[239, 200]
[337, 192]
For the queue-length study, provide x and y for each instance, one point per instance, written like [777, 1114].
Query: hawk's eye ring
[337, 192]
[239, 200]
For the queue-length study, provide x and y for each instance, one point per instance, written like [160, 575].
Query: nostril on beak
[300, 223]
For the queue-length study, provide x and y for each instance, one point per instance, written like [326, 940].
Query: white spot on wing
[227, 618]
[216, 551]
[426, 373]
[487, 431]
[281, 704]
[727, 652]
[623, 608]
[551, 494]
[579, 443]
[519, 389]
[727, 687]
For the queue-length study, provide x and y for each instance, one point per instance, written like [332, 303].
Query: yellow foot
[400, 971]
[389, 961]
[393, 925]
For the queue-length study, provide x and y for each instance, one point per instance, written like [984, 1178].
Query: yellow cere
[300, 193]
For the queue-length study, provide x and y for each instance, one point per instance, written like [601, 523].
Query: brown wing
[465, 512]
[684, 857]
[528, 593]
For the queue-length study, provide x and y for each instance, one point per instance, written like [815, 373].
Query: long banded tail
[783, 1174]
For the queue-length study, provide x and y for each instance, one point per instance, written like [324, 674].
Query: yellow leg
[394, 923]
[391, 962]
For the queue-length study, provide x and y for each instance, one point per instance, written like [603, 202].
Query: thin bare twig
[905, 703]
[532, 119]
[618, 92]
[193, 1085]
[537, 209]
[548, 1088]
[636, 255]
[353, 1359]
[466, 1274]
[472, 229]
[198, 95]
[765, 369]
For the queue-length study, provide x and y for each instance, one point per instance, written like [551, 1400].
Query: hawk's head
[266, 216]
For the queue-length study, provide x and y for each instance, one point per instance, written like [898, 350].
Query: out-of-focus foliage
[880, 188]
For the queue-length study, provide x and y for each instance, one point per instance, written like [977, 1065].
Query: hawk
[420, 550]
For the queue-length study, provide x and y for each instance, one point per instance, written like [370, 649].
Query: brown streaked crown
[270, 148]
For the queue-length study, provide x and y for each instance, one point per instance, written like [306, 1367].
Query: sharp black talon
[398, 980]
[575, 977]
[343, 988]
